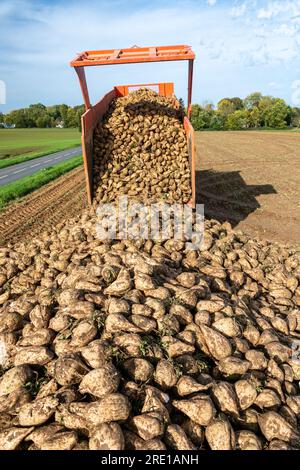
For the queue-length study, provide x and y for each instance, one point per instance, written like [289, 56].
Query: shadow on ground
[226, 196]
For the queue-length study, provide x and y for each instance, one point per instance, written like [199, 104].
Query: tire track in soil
[55, 202]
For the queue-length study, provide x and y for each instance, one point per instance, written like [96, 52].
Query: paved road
[15, 172]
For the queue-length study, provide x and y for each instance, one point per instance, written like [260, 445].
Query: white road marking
[32, 166]
[46, 161]
[4, 176]
[19, 171]
[56, 158]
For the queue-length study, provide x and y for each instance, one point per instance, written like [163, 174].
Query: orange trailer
[94, 114]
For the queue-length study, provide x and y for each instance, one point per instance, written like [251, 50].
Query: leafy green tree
[201, 118]
[226, 107]
[35, 111]
[266, 102]
[252, 100]
[289, 118]
[295, 117]
[218, 121]
[64, 112]
[237, 103]
[195, 117]
[264, 105]
[276, 115]
[17, 117]
[255, 117]
[71, 118]
[43, 121]
[238, 120]
[54, 112]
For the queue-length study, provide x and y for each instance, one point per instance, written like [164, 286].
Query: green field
[19, 145]
[26, 185]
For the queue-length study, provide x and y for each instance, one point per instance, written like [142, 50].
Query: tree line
[39, 115]
[255, 111]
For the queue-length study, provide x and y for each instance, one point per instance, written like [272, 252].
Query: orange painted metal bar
[133, 55]
[190, 135]
[89, 121]
[116, 54]
[83, 85]
[190, 88]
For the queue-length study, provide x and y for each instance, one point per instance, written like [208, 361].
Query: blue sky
[241, 46]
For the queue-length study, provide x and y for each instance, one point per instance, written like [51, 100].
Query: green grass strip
[26, 185]
[24, 158]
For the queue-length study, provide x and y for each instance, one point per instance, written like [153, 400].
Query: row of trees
[39, 115]
[255, 111]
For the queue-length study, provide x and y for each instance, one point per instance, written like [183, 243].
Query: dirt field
[44, 208]
[251, 179]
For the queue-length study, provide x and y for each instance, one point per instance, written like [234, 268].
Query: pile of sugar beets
[143, 345]
[136, 344]
[140, 150]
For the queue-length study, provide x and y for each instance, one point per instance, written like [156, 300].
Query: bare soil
[53, 203]
[251, 179]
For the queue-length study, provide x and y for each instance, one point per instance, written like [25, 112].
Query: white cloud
[286, 30]
[239, 10]
[276, 8]
[270, 32]
[274, 85]
[53, 35]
